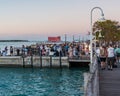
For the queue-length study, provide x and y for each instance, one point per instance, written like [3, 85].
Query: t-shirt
[110, 52]
[117, 50]
[103, 52]
[98, 52]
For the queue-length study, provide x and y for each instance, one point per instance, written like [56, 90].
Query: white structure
[91, 35]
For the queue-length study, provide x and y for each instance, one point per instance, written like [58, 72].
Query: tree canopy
[110, 30]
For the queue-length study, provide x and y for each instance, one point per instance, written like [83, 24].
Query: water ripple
[41, 82]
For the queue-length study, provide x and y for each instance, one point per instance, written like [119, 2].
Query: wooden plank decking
[110, 82]
[79, 59]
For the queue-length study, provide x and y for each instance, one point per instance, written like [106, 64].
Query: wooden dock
[110, 82]
[79, 62]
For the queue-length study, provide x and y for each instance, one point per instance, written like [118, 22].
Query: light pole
[95, 38]
[73, 39]
[65, 38]
[79, 39]
[91, 33]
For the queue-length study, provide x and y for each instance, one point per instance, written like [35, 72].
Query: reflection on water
[41, 82]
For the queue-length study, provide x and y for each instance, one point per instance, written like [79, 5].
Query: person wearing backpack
[103, 56]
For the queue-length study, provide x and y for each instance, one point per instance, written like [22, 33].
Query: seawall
[33, 61]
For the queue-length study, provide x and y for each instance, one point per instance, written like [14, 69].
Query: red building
[54, 39]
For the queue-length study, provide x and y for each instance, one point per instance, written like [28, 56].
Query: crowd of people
[108, 56]
[5, 51]
[69, 49]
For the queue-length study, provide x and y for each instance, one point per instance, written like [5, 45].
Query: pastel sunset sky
[38, 19]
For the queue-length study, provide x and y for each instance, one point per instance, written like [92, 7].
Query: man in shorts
[111, 57]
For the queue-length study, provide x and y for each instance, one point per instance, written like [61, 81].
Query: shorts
[118, 54]
[102, 59]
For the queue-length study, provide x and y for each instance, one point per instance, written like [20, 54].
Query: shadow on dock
[79, 62]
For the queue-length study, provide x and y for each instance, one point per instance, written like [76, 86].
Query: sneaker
[111, 68]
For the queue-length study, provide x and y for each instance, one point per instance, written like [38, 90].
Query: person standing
[103, 56]
[117, 52]
[6, 50]
[98, 55]
[70, 51]
[111, 55]
[11, 50]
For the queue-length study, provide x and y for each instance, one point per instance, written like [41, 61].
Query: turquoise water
[41, 82]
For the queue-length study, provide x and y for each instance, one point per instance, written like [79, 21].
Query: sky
[39, 19]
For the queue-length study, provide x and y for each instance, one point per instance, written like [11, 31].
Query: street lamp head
[102, 19]
[102, 14]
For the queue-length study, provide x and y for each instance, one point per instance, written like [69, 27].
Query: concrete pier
[34, 61]
[41, 61]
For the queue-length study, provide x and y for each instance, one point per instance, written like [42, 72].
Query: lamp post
[65, 38]
[95, 38]
[73, 39]
[91, 34]
[79, 39]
